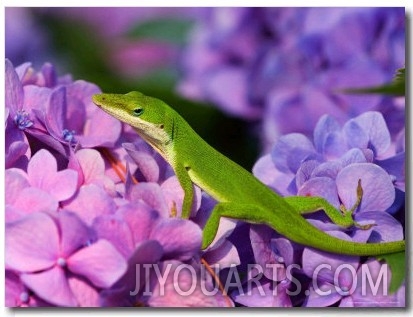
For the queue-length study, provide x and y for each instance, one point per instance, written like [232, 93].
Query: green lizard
[240, 195]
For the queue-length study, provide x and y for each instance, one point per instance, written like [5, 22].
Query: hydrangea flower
[57, 112]
[58, 252]
[331, 165]
[77, 204]
[283, 67]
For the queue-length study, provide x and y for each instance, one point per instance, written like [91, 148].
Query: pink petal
[92, 164]
[33, 200]
[91, 202]
[174, 194]
[51, 285]
[16, 181]
[63, 185]
[115, 229]
[100, 262]
[140, 219]
[32, 243]
[74, 233]
[41, 166]
[152, 195]
[224, 256]
[86, 295]
[180, 238]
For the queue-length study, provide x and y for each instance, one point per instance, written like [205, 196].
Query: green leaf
[397, 264]
[166, 29]
[396, 87]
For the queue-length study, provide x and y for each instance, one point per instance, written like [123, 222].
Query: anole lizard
[240, 195]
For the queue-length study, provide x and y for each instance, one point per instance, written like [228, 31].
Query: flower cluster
[285, 68]
[79, 222]
[331, 166]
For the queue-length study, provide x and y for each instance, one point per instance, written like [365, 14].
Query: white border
[134, 312]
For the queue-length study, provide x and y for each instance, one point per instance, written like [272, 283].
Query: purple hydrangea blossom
[284, 68]
[57, 112]
[69, 187]
[331, 165]
[58, 251]
[346, 281]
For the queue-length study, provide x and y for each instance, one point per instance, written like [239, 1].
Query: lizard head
[147, 115]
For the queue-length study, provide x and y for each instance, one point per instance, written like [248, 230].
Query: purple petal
[325, 126]
[92, 164]
[312, 259]
[33, 200]
[320, 187]
[328, 138]
[174, 195]
[265, 255]
[32, 243]
[328, 169]
[16, 154]
[41, 163]
[148, 252]
[63, 185]
[180, 238]
[42, 172]
[152, 195]
[15, 181]
[324, 296]
[92, 168]
[91, 202]
[386, 229]
[74, 233]
[305, 172]
[36, 98]
[100, 262]
[378, 189]
[353, 156]
[264, 295]
[266, 172]
[395, 166]
[369, 130]
[15, 292]
[290, 150]
[140, 219]
[14, 90]
[85, 294]
[224, 256]
[93, 135]
[115, 230]
[146, 163]
[55, 112]
[51, 285]
[365, 296]
[169, 295]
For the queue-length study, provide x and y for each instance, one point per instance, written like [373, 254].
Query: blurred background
[240, 76]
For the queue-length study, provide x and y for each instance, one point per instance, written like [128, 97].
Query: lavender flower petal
[31, 250]
[51, 285]
[378, 189]
[100, 262]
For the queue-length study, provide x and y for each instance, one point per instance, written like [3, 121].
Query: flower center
[22, 120]
[61, 262]
[68, 136]
[24, 297]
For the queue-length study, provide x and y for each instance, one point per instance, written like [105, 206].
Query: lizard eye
[137, 112]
